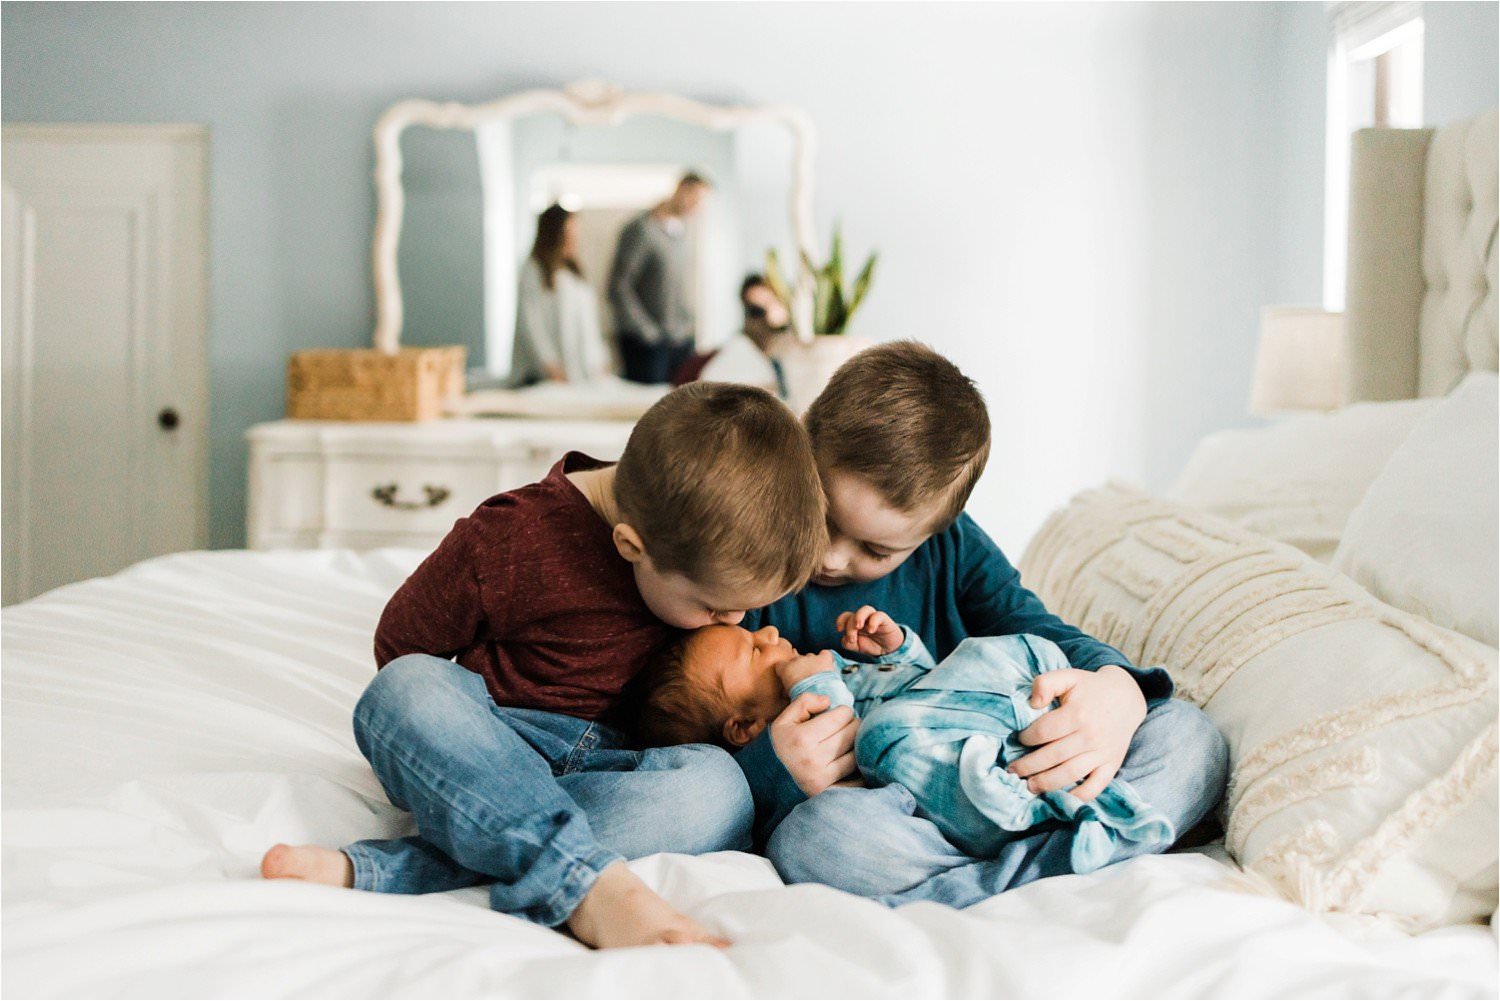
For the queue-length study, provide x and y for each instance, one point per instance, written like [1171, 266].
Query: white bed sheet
[164, 726]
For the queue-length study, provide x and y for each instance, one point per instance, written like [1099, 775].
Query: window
[1374, 79]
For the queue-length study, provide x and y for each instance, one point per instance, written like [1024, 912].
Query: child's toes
[275, 864]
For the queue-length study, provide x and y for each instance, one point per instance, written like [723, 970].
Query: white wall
[1084, 205]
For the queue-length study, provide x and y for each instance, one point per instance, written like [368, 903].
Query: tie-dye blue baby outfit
[947, 731]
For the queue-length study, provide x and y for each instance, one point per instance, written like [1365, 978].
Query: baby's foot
[621, 911]
[310, 863]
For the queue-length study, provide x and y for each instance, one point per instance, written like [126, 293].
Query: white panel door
[105, 338]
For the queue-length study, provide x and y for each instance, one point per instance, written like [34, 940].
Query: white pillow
[1424, 537]
[1363, 740]
[1297, 480]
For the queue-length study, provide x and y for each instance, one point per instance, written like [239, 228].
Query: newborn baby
[944, 731]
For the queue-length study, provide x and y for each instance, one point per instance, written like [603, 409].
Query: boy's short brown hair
[905, 419]
[720, 482]
[676, 708]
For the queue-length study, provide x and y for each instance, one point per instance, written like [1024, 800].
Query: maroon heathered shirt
[529, 592]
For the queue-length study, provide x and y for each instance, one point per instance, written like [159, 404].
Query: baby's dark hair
[678, 709]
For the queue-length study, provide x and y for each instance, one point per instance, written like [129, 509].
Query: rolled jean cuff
[366, 872]
[577, 879]
[578, 874]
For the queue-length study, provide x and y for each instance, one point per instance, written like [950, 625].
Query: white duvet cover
[163, 727]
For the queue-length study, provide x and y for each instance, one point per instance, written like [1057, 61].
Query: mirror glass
[474, 200]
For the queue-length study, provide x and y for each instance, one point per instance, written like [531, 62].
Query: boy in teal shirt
[901, 437]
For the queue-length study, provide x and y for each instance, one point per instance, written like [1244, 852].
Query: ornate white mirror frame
[588, 102]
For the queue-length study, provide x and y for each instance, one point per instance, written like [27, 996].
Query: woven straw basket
[370, 385]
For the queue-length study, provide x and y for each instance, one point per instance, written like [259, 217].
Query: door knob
[168, 419]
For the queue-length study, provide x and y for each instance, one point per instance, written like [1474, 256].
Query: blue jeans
[534, 803]
[870, 841]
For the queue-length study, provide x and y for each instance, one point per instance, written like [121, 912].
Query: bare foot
[310, 863]
[621, 911]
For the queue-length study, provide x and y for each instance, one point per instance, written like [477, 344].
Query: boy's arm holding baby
[1101, 700]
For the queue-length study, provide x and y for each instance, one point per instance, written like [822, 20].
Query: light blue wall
[1459, 64]
[1085, 205]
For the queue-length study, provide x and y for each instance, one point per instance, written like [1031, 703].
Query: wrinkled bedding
[161, 728]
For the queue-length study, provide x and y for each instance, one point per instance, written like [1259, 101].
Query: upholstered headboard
[1421, 304]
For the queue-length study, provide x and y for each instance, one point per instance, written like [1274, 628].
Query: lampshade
[1300, 362]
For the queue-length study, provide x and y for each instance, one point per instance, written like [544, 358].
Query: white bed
[164, 726]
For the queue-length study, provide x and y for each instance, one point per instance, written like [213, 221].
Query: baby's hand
[802, 667]
[869, 631]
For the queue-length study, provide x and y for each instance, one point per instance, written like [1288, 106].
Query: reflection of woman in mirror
[557, 316]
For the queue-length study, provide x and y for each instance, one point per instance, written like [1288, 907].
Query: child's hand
[816, 747]
[1086, 737]
[869, 631]
[799, 668]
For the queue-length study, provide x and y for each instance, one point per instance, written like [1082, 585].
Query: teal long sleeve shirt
[957, 584]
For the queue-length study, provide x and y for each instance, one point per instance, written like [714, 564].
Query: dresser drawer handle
[387, 495]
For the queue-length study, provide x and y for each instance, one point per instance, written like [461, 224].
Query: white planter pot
[808, 365]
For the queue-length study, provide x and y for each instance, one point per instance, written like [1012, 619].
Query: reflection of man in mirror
[650, 283]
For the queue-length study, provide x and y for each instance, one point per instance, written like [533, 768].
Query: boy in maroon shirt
[550, 599]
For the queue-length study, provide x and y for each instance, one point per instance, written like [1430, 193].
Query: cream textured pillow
[1296, 481]
[1424, 537]
[1363, 740]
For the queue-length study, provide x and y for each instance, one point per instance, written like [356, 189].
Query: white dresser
[329, 484]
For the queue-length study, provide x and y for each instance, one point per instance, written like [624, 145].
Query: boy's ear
[741, 730]
[628, 543]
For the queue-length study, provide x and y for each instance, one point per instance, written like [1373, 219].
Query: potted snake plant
[810, 359]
